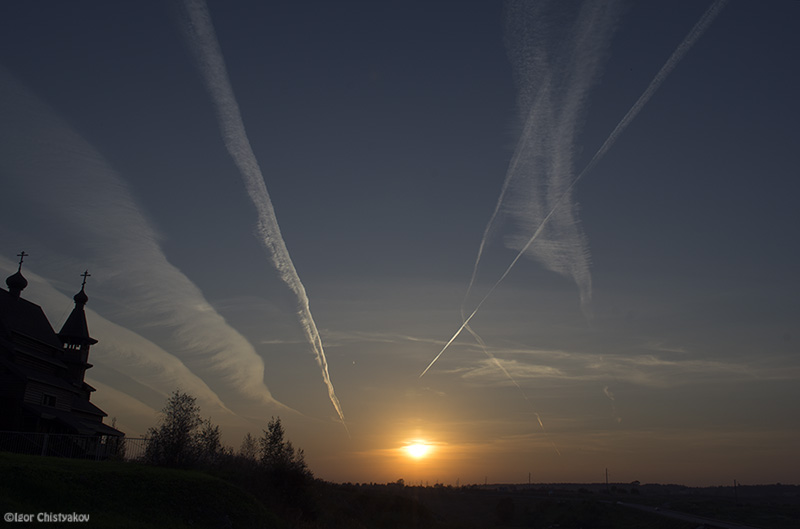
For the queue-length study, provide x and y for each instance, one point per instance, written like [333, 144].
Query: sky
[289, 209]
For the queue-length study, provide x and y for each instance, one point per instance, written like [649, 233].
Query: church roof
[87, 407]
[75, 330]
[23, 317]
[78, 424]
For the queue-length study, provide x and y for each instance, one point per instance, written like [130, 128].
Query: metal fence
[102, 447]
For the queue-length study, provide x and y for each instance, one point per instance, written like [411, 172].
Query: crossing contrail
[489, 293]
[687, 43]
[691, 38]
[203, 44]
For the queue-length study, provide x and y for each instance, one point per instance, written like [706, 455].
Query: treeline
[268, 466]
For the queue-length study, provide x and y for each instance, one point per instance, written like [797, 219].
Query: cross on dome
[22, 255]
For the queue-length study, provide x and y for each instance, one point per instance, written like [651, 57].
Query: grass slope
[127, 495]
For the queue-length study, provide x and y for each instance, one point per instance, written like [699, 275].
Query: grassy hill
[126, 495]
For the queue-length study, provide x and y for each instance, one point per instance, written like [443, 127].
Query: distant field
[129, 495]
[446, 508]
[764, 506]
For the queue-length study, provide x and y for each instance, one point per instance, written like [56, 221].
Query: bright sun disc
[418, 450]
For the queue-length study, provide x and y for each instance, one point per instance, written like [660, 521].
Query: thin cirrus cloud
[336, 338]
[79, 209]
[646, 369]
[555, 63]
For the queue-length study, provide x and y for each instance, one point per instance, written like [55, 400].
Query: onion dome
[17, 282]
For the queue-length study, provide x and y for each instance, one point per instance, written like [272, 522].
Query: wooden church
[42, 386]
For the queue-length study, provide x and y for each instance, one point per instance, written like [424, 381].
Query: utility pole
[607, 480]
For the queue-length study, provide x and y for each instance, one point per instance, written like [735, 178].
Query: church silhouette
[42, 386]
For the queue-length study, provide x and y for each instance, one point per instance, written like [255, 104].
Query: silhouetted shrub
[183, 439]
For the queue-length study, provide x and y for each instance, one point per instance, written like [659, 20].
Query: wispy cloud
[336, 338]
[554, 73]
[93, 220]
[555, 60]
[555, 70]
[203, 44]
[645, 369]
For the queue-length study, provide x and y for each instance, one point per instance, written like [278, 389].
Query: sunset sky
[652, 327]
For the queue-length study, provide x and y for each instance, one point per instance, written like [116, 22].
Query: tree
[284, 472]
[249, 448]
[209, 442]
[173, 443]
[279, 455]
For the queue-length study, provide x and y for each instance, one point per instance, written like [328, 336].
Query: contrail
[696, 32]
[203, 44]
[489, 293]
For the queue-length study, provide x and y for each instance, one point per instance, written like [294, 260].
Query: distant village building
[42, 387]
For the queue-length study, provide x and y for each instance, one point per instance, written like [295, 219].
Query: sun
[418, 450]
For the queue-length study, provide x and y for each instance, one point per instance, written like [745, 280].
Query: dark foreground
[133, 495]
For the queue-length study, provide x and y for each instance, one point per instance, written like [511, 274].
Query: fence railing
[102, 447]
